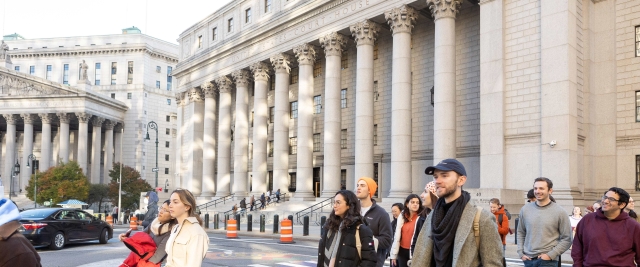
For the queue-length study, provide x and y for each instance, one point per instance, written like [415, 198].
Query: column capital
[305, 53]
[333, 44]
[224, 84]
[241, 77]
[11, 118]
[195, 95]
[119, 126]
[64, 117]
[401, 19]
[83, 116]
[209, 89]
[109, 124]
[46, 118]
[365, 32]
[281, 63]
[180, 98]
[27, 118]
[260, 71]
[97, 121]
[444, 8]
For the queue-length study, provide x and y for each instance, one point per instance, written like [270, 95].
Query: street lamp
[16, 171]
[154, 125]
[35, 181]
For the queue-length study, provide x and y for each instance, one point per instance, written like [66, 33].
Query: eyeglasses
[610, 199]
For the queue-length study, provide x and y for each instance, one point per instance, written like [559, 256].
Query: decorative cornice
[97, 121]
[54, 52]
[241, 77]
[209, 89]
[444, 8]
[195, 95]
[306, 54]
[260, 71]
[364, 32]
[109, 125]
[27, 118]
[224, 84]
[46, 118]
[11, 118]
[83, 117]
[401, 19]
[19, 86]
[333, 44]
[64, 117]
[281, 63]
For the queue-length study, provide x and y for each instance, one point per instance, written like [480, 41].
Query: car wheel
[58, 241]
[104, 236]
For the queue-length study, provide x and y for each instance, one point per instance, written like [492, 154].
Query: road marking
[265, 243]
[257, 265]
[292, 265]
[226, 251]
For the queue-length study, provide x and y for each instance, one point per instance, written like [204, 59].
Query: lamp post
[30, 158]
[120, 183]
[16, 171]
[154, 125]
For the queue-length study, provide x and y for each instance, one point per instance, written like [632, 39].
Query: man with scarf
[447, 237]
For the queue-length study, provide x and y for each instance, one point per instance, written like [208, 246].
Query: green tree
[98, 193]
[59, 183]
[132, 186]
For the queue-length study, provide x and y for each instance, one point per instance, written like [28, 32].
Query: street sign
[154, 170]
[46, 203]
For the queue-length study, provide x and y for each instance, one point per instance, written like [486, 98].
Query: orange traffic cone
[110, 220]
[133, 223]
[232, 229]
[286, 232]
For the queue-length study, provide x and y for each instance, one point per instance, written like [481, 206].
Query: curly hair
[406, 213]
[352, 216]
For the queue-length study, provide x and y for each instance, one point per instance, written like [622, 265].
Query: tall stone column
[306, 55]
[333, 44]
[27, 149]
[282, 66]
[401, 21]
[45, 151]
[177, 181]
[108, 149]
[444, 80]
[96, 149]
[260, 110]
[209, 144]
[241, 133]
[194, 132]
[64, 136]
[364, 33]
[10, 154]
[83, 140]
[224, 136]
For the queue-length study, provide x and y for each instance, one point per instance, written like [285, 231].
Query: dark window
[316, 142]
[343, 98]
[293, 78]
[130, 73]
[200, 41]
[166, 157]
[271, 114]
[230, 25]
[166, 143]
[168, 118]
[270, 148]
[638, 41]
[168, 131]
[128, 95]
[375, 51]
[343, 139]
[113, 95]
[637, 106]
[375, 91]
[343, 178]
[344, 61]
[292, 182]
[247, 15]
[293, 110]
[273, 83]
[317, 69]
[16, 68]
[214, 34]
[317, 104]
[293, 145]
[375, 134]
[166, 170]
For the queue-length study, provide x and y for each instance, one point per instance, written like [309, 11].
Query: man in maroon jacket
[608, 236]
[15, 249]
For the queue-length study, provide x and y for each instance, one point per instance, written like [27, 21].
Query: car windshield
[36, 214]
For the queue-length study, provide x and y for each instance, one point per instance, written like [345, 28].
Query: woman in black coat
[338, 243]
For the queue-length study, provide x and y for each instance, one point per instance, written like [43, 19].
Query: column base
[398, 194]
[238, 195]
[303, 196]
[222, 194]
[328, 194]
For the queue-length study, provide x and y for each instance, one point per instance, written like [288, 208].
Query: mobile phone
[128, 233]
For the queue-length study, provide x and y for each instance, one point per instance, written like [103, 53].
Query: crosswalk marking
[291, 264]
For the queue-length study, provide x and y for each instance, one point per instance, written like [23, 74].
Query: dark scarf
[444, 224]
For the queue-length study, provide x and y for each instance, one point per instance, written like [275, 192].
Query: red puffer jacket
[142, 248]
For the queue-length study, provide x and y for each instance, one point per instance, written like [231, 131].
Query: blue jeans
[540, 263]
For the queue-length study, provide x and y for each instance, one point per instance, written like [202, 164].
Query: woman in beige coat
[188, 243]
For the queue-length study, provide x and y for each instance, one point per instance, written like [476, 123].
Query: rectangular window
[113, 95]
[32, 70]
[214, 34]
[317, 69]
[272, 83]
[293, 110]
[48, 74]
[230, 25]
[114, 71]
[375, 134]
[166, 170]
[293, 78]
[270, 148]
[317, 104]
[247, 15]
[169, 101]
[316, 142]
[638, 41]
[293, 145]
[271, 114]
[130, 73]
[168, 131]
[65, 74]
[16, 68]
[168, 118]
[166, 143]
[343, 178]
[97, 75]
[166, 157]
[158, 69]
[343, 98]
[344, 60]
[200, 41]
[158, 84]
[128, 95]
[267, 6]
[292, 182]
[637, 106]
[343, 139]
[169, 77]
[375, 91]
[375, 51]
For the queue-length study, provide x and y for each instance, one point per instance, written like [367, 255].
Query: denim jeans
[540, 263]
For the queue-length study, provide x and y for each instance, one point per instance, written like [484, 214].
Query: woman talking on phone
[188, 243]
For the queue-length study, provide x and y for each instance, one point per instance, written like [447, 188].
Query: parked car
[55, 227]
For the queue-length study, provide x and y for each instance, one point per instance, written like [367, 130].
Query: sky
[162, 19]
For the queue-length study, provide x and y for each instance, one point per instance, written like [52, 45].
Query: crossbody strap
[358, 244]
[476, 226]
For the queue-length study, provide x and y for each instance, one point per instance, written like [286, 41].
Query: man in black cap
[448, 236]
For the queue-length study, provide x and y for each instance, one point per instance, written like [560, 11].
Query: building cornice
[93, 50]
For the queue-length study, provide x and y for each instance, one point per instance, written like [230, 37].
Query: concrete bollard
[249, 222]
[516, 234]
[206, 221]
[323, 220]
[276, 219]
[226, 218]
[305, 226]
[216, 221]
[262, 222]
[238, 221]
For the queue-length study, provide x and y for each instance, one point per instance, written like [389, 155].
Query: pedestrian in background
[252, 202]
[15, 249]
[574, 219]
[278, 196]
[531, 197]
[114, 214]
[396, 209]
[429, 198]
[502, 220]
[151, 199]
[262, 201]
[188, 244]
[544, 231]
[630, 209]
[376, 217]
[407, 230]
[344, 229]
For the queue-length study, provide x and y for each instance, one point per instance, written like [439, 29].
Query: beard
[449, 190]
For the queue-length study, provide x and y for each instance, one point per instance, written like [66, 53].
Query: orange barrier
[110, 220]
[232, 229]
[133, 223]
[286, 232]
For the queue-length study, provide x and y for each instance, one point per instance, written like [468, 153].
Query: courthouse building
[309, 95]
[128, 84]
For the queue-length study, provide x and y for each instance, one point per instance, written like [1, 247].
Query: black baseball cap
[447, 165]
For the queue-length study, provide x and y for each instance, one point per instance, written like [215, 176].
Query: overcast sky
[162, 19]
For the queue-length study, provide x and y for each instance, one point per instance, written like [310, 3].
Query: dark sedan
[55, 227]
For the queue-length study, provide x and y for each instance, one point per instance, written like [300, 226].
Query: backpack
[476, 231]
[500, 218]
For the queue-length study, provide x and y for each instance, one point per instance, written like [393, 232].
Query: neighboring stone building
[128, 84]
[314, 94]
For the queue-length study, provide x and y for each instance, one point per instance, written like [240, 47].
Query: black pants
[403, 257]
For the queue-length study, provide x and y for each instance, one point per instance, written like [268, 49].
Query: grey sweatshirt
[543, 230]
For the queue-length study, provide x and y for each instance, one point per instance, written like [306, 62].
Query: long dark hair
[187, 198]
[351, 218]
[406, 212]
[172, 222]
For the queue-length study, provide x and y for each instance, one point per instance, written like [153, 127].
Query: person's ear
[462, 179]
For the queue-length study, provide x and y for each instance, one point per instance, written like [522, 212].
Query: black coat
[347, 254]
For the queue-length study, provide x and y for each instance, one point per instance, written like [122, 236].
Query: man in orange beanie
[377, 218]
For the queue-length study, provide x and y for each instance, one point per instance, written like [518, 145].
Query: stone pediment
[14, 84]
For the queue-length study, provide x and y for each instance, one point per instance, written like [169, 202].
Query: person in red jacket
[142, 249]
[501, 216]
[608, 236]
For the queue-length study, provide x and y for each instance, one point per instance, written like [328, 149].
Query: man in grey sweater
[544, 232]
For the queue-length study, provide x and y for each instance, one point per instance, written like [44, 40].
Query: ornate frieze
[260, 71]
[195, 95]
[11, 119]
[333, 44]
[19, 86]
[27, 118]
[46, 118]
[401, 19]
[109, 124]
[64, 117]
[224, 84]
[305, 53]
[281, 63]
[209, 89]
[97, 121]
[83, 116]
[365, 32]
[444, 8]
[241, 77]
